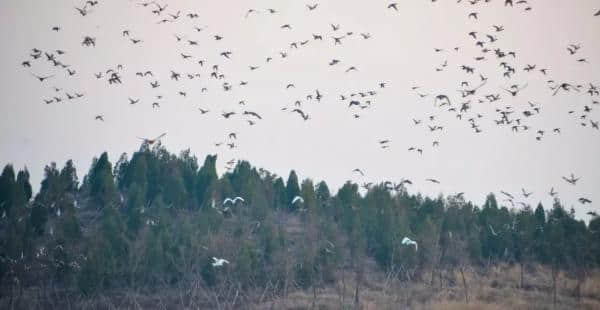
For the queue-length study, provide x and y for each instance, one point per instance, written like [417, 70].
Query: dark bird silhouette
[304, 115]
[433, 181]
[584, 200]
[393, 5]
[507, 195]
[312, 7]
[564, 86]
[42, 78]
[515, 89]
[99, 118]
[443, 99]
[83, 11]
[358, 171]
[252, 114]
[227, 114]
[571, 180]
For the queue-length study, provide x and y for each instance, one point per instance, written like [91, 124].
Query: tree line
[157, 219]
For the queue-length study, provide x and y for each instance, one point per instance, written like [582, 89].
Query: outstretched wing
[162, 135]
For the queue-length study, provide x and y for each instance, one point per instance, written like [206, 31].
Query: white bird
[218, 262]
[492, 230]
[407, 241]
[233, 200]
[297, 198]
[58, 213]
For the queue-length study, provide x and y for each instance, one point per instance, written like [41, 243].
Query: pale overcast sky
[328, 146]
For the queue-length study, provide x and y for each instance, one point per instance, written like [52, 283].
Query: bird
[525, 193]
[228, 114]
[433, 181]
[359, 171]
[552, 193]
[312, 7]
[42, 78]
[393, 5]
[507, 194]
[219, 262]
[233, 200]
[584, 200]
[99, 118]
[492, 230]
[152, 141]
[304, 115]
[571, 180]
[252, 114]
[597, 13]
[406, 241]
[515, 89]
[82, 11]
[297, 199]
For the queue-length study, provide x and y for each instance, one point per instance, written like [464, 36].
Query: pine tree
[7, 190]
[292, 187]
[206, 180]
[101, 182]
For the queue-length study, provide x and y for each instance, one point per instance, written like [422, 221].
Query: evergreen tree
[292, 187]
[7, 190]
[101, 182]
[206, 180]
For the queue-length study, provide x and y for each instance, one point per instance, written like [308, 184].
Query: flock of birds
[474, 90]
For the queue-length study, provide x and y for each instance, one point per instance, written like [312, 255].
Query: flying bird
[152, 141]
[358, 171]
[219, 262]
[297, 199]
[406, 241]
[233, 201]
[571, 180]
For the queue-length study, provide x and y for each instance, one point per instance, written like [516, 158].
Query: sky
[332, 142]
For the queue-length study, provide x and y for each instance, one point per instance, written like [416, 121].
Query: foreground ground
[495, 288]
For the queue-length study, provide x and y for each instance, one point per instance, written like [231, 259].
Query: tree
[101, 182]
[292, 187]
[7, 189]
[279, 193]
[206, 179]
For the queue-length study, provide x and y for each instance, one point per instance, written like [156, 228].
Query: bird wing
[162, 135]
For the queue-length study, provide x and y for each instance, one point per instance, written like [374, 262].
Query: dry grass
[495, 289]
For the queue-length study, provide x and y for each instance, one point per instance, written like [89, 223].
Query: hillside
[146, 233]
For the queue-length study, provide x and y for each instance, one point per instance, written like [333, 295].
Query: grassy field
[498, 288]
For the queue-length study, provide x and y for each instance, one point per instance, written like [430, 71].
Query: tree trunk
[462, 273]
[432, 276]
[521, 263]
[357, 291]
[314, 301]
[554, 276]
